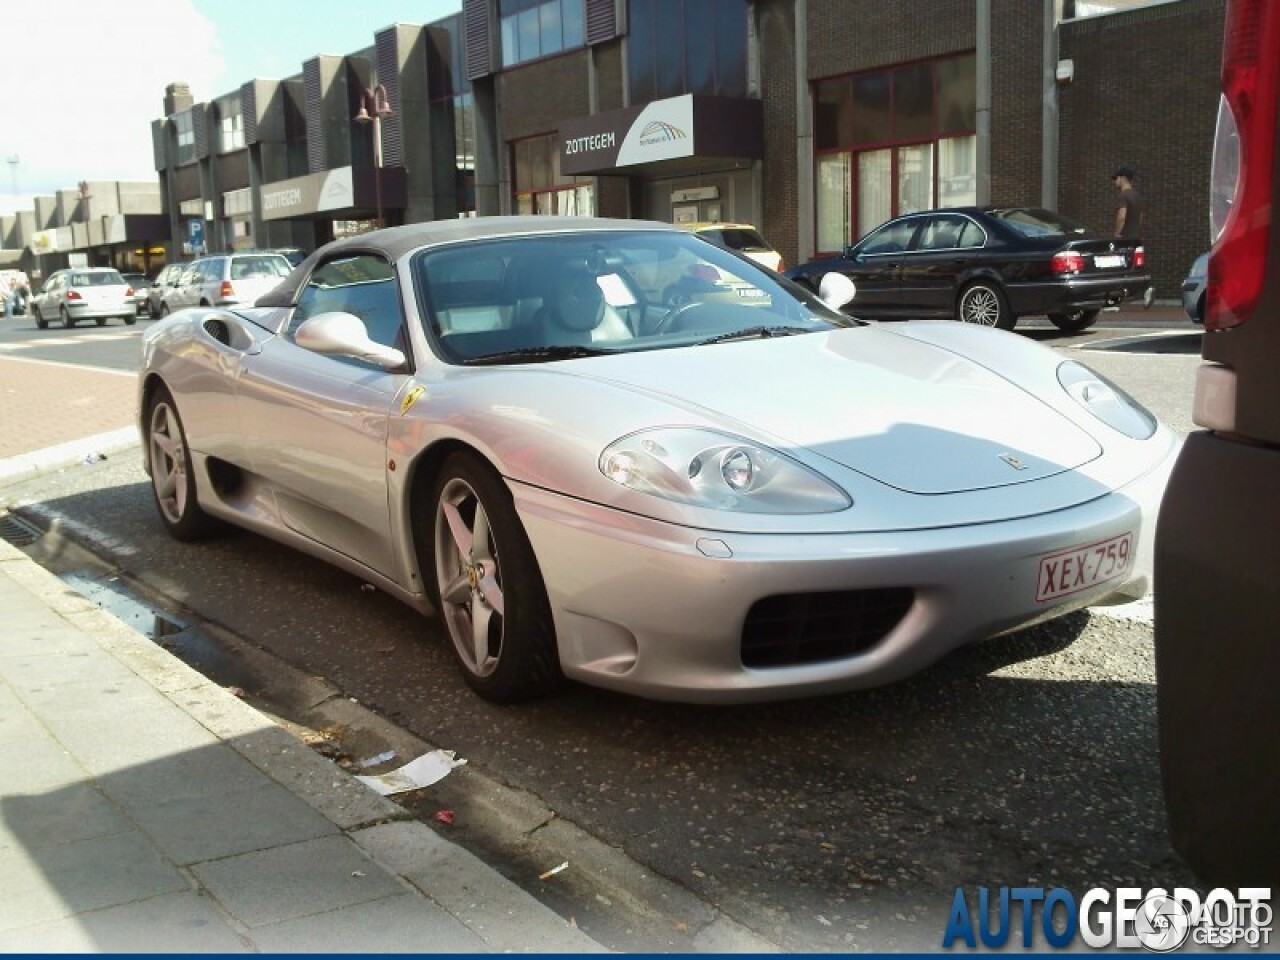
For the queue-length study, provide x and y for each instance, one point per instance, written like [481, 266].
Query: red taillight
[74, 295]
[128, 291]
[1067, 261]
[1243, 156]
[1139, 257]
[227, 291]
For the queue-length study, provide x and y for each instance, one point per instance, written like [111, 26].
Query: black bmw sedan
[986, 265]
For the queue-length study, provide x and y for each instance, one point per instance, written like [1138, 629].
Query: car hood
[913, 415]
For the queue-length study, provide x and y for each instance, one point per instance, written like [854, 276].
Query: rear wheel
[41, 322]
[130, 320]
[486, 585]
[66, 318]
[164, 309]
[1075, 321]
[983, 303]
[173, 481]
[100, 321]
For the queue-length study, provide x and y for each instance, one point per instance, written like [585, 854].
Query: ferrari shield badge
[411, 398]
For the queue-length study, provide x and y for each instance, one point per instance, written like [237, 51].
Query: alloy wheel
[468, 577]
[168, 458]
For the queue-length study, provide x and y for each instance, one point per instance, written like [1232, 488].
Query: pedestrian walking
[1129, 209]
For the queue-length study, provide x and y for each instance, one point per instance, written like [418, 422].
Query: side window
[941, 233]
[363, 285]
[972, 235]
[893, 238]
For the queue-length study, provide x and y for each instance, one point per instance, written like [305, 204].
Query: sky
[77, 99]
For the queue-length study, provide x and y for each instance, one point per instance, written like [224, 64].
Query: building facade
[815, 120]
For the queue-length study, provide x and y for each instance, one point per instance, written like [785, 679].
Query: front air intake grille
[799, 628]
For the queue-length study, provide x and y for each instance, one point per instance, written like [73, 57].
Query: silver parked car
[165, 281]
[728, 498]
[1193, 288]
[83, 293]
[225, 280]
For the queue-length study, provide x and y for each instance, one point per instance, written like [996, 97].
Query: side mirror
[836, 290]
[344, 335]
[849, 253]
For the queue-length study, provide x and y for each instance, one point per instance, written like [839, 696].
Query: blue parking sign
[195, 234]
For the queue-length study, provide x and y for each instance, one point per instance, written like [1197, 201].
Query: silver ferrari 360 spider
[609, 450]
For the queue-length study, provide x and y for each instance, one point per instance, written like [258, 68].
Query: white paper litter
[374, 761]
[425, 770]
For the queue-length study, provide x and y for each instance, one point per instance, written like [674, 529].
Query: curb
[28, 466]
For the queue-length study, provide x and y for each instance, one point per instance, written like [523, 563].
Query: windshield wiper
[754, 333]
[536, 354]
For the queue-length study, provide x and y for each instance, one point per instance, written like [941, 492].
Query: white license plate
[1108, 260]
[1079, 568]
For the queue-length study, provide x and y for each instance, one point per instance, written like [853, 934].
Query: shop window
[532, 29]
[676, 47]
[905, 138]
[540, 187]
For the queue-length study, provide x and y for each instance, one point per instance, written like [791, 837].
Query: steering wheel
[669, 323]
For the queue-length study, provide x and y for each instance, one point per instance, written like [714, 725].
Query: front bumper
[1076, 293]
[648, 608]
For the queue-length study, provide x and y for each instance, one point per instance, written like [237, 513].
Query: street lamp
[374, 105]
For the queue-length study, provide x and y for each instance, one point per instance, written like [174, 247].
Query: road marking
[74, 366]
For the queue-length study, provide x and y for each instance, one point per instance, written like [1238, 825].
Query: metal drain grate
[18, 532]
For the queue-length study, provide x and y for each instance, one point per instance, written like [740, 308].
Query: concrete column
[1049, 112]
[983, 55]
[805, 194]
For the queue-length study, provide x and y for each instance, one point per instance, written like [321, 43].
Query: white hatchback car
[225, 280]
[84, 293]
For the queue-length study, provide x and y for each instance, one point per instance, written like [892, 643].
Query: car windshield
[566, 295]
[103, 278]
[1034, 222]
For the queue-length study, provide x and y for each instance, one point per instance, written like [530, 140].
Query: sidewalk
[145, 808]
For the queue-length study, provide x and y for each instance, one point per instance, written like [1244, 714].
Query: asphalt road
[838, 824]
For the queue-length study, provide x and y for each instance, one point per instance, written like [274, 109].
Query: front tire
[1075, 321]
[983, 303]
[173, 482]
[487, 587]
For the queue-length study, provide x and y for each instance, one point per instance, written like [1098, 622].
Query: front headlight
[1106, 401]
[704, 468]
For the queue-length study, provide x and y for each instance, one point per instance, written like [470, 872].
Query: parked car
[500, 419]
[138, 283]
[164, 282]
[1193, 288]
[293, 254]
[1218, 550]
[741, 237]
[83, 293]
[987, 266]
[230, 279]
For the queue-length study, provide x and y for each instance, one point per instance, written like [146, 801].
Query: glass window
[957, 172]
[972, 235]
[540, 187]
[915, 178]
[913, 102]
[875, 190]
[893, 238]
[833, 113]
[957, 87]
[942, 233]
[872, 108]
[362, 285]
[539, 28]
[833, 201]
[731, 49]
[686, 46]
